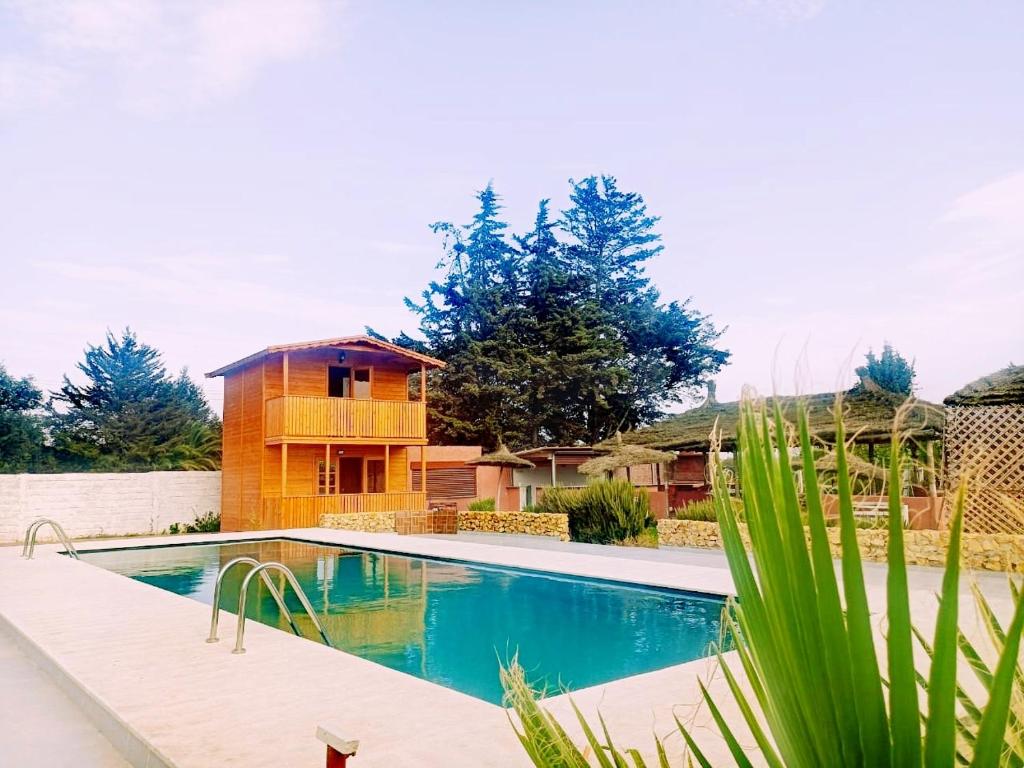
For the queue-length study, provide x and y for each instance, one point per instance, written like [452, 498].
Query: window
[326, 481]
[362, 383]
[339, 381]
[375, 470]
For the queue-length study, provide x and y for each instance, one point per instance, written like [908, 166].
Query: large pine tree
[21, 424]
[130, 413]
[470, 319]
[654, 353]
[554, 341]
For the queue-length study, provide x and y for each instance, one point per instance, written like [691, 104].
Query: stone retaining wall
[532, 523]
[368, 522]
[106, 503]
[981, 551]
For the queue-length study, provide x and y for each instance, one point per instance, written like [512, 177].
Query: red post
[336, 759]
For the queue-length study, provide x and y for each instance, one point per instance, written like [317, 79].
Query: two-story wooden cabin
[320, 427]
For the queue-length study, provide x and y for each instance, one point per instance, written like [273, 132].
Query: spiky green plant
[605, 512]
[818, 694]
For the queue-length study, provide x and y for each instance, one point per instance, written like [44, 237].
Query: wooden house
[321, 427]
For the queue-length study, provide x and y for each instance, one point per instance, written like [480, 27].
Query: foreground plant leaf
[813, 693]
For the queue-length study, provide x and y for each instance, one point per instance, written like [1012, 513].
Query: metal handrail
[240, 632]
[278, 598]
[29, 547]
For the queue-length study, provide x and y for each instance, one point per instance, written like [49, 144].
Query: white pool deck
[132, 657]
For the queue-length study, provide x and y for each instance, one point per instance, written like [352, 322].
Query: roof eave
[383, 346]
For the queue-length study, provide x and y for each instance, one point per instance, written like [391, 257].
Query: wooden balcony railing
[331, 418]
[305, 511]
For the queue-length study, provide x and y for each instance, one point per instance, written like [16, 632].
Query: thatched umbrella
[500, 458]
[625, 455]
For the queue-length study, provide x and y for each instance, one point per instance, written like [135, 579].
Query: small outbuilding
[984, 447]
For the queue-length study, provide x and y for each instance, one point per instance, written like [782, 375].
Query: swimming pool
[449, 622]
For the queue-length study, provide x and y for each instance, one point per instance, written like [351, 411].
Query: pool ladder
[261, 569]
[29, 547]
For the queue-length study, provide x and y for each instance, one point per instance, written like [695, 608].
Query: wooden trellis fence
[984, 444]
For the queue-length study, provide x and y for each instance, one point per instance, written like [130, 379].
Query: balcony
[301, 419]
[305, 511]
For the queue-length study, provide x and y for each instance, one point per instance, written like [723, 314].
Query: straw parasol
[501, 458]
[625, 455]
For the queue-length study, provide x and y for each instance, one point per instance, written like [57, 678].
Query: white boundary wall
[91, 504]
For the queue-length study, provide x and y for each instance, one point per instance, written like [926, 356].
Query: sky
[221, 175]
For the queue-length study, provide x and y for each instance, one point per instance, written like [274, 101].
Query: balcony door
[344, 381]
[350, 474]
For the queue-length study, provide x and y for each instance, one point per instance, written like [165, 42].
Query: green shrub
[648, 537]
[482, 505]
[702, 511]
[604, 512]
[205, 523]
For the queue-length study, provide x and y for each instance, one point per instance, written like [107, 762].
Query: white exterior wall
[91, 504]
[540, 477]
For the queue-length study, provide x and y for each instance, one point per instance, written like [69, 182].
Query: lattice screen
[985, 445]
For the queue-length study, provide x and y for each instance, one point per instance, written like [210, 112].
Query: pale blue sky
[228, 174]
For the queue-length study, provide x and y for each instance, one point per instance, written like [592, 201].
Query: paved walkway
[918, 577]
[39, 725]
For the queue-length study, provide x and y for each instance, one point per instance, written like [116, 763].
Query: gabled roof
[868, 418]
[343, 342]
[1004, 387]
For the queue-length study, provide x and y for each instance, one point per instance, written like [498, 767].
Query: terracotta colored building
[321, 427]
[450, 482]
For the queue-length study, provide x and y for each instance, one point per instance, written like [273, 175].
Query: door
[375, 475]
[351, 474]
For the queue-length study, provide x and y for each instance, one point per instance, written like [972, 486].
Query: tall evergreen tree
[556, 342]
[656, 352]
[21, 424]
[130, 414]
[469, 321]
[568, 362]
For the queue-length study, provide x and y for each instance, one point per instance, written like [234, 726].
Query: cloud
[155, 56]
[997, 204]
[983, 235]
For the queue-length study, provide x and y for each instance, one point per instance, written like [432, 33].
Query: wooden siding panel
[307, 372]
[252, 447]
[272, 471]
[274, 376]
[302, 461]
[231, 461]
[390, 383]
[398, 471]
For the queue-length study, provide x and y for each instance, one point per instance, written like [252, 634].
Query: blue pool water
[450, 622]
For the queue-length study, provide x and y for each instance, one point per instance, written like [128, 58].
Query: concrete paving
[919, 578]
[135, 655]
[40, 726]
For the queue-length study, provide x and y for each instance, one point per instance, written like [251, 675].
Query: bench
[878, 509]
